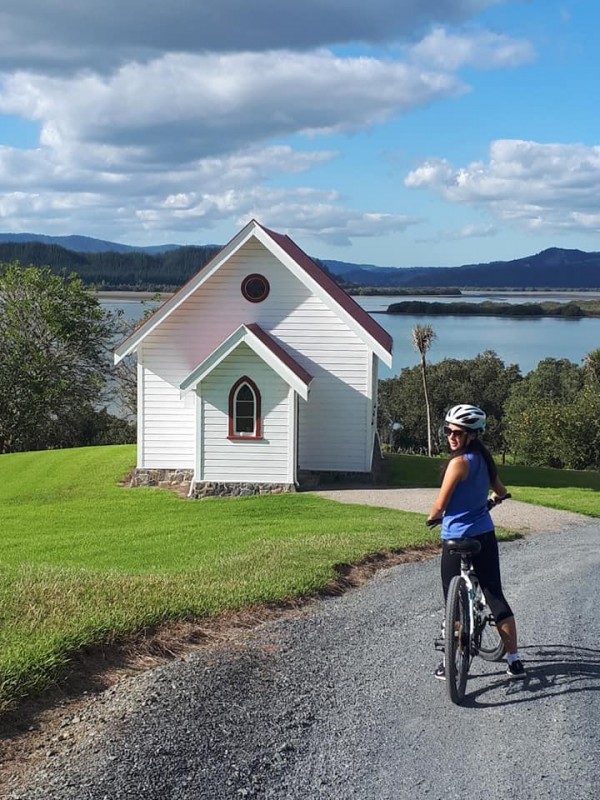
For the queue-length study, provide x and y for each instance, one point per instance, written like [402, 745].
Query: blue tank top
[467, 512]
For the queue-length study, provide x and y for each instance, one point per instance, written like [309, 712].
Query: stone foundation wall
[204, 489]
[177, 480]
[180, 481]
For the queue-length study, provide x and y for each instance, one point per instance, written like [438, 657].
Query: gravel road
[513, 515]
[338, 699]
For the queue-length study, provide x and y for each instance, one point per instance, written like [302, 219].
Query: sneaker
[516, 670]
[440, 642]
[440, 671]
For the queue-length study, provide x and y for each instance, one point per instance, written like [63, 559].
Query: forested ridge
[156, 269]
[111, 270]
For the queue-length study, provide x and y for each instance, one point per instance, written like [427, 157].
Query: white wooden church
[260, 373]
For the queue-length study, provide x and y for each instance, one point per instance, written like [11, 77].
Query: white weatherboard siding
[303, 324]
[167, 424]
[372, 408]
[267, 460]
[340, 391]
[140, 463]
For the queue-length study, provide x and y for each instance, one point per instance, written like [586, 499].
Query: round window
[255, 288]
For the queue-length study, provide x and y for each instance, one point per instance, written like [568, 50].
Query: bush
[553, 417]
[483, 381]
[55, 339]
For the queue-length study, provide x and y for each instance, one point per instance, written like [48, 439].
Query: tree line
[490, 309]
[549, 417]
[134, 271]
[113, 271]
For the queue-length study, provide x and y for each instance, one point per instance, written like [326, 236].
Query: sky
[390, 132]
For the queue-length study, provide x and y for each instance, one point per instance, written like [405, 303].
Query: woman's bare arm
[458, 470]
[499, 490]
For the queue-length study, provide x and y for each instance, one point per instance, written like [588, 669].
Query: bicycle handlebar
[491, 503]
[431, 523]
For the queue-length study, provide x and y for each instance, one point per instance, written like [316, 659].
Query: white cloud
[162, 117]
[536, 186]
[475, 231]
[66, 34]
[213, 104]
[480, 49]
[182, 142]
[42, 168]
[224, 189]
[314, 214]
[318, 218]
[471, 231]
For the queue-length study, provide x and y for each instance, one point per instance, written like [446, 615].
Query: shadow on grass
[407, 471]
[404, 471]
[551, 478]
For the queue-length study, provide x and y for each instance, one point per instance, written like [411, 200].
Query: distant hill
[554, 268]
[85, 244]
[371, 275]
[162, 267]
[113, 270]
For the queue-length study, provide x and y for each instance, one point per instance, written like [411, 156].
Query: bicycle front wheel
[457, 639]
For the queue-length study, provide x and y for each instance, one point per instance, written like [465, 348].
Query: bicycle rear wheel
[489, 644]
[457, 639]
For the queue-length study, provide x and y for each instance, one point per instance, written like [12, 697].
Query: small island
[395, 291]
[570, 310]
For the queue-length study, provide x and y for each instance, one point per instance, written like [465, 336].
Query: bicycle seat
[463, 546]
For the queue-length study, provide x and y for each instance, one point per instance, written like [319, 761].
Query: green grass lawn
[85, 561]
[556, 488]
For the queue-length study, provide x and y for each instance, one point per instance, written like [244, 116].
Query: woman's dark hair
[476, 446]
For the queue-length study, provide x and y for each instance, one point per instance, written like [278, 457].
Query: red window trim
[257, 410]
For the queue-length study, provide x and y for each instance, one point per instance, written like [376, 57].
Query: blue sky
[398, 132]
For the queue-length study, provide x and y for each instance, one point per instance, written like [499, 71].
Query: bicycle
[469, 627]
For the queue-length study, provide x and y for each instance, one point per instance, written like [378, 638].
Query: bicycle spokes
[458, 639]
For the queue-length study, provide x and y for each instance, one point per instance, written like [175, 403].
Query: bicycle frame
[470, 578]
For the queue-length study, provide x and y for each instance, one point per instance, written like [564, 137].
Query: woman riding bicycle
[461, 506]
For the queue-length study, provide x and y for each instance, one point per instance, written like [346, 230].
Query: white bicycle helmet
[469, 417]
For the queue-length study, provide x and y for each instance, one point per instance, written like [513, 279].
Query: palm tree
[422, 339]
[591, 364]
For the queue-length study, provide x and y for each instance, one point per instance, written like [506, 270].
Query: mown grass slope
[84, 560]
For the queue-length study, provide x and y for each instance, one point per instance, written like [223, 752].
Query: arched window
[244, 410]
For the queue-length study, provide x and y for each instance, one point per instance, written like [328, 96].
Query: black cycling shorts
[487, 568]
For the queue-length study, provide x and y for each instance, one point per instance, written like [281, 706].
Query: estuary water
[523, 341]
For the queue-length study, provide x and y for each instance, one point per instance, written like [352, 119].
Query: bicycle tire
[489, 646]
[457, 639]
